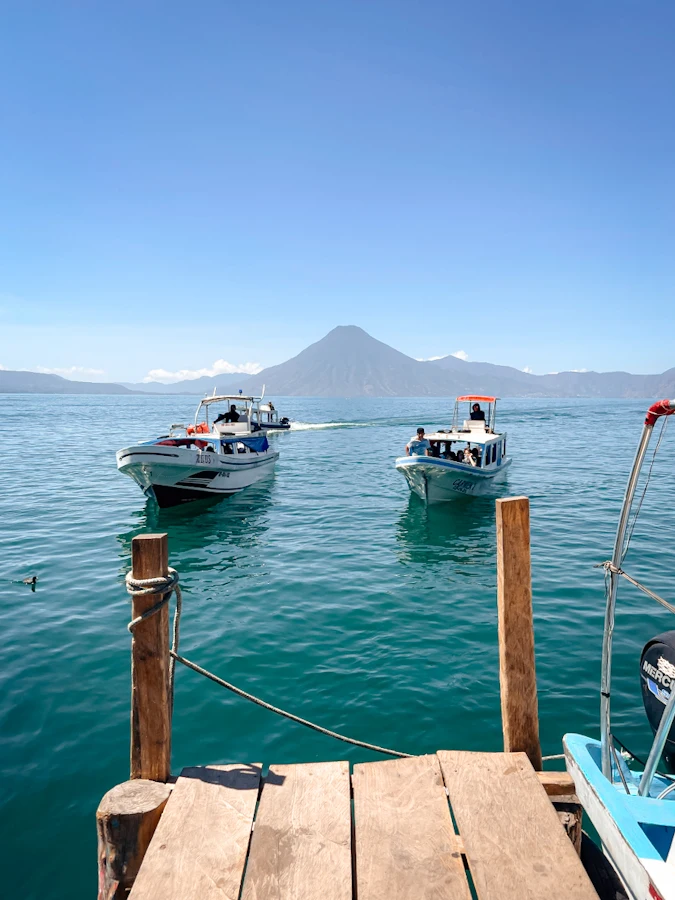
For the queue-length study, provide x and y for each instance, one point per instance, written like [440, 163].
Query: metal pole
[658, 745]
[605, 716]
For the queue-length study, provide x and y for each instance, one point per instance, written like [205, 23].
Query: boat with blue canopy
[204, 459]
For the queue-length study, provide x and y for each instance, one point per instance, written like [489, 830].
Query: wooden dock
[446, 826]
[422, 828]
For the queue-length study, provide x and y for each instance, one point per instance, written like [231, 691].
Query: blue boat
[633, 809]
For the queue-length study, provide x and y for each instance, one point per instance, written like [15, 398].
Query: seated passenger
[230, 416]
[418, 446]
[477, 413]
[435, 449]
[468, 458]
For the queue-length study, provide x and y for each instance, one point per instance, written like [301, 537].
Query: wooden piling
[125, 823]
[150, 702]
[517, 675]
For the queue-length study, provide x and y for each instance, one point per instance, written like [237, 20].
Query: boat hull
[438, 480]
[636, 832]
[173, 475]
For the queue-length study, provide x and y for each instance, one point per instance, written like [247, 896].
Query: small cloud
[70, 371]
[578, 370]
[220, 367]
[528, 370]
[460, 354]
[427, 358]
[553, 373]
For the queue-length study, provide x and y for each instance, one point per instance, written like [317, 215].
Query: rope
[555, 756]
[164, 585]
[629, 537]
[283, 712]
[609, 567]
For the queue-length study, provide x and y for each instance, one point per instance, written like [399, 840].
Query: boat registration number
[464, 487]
[203, 457]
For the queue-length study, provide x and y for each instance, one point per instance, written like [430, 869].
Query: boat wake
[315, 426]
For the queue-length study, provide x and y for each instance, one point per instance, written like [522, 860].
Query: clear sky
[182, 183]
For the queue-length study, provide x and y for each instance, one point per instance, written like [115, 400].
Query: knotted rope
[164, 585]
[608, 566]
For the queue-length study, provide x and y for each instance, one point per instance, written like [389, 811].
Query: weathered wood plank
[301, 845]
[557, 784]
[514, 843]
[517, 678]
[200, 845]
[405, 843]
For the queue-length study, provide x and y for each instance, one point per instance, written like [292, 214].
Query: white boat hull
[174, 475]
[438, 480]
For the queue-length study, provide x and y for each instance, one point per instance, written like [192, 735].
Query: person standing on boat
[477, 413]
[419, 445]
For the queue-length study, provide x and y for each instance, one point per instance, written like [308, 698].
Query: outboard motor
[657, 679]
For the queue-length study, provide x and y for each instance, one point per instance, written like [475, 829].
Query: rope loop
[159, 585]
[166, 585]
[609, 567]
[162, 584]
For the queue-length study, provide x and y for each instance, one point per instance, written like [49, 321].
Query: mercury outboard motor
[657, 679]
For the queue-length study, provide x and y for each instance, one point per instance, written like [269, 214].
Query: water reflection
[212, 532]
[462, 531]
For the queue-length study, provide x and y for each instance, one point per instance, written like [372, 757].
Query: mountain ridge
[349, 362]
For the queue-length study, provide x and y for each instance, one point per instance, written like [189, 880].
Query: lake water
[327, 590]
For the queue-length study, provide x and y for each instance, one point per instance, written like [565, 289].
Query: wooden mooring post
[517, 674]
[150, 703]
[129, 813]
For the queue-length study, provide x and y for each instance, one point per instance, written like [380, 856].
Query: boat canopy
[471, 397]
[207, 401]
[259, 443]
[256, 442]
[480, 437]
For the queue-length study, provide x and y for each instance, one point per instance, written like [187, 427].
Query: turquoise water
[327, 590]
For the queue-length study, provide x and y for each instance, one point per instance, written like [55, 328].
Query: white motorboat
[204, 459]
[449, 471]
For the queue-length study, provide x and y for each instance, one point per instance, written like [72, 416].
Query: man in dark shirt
[477, 413]
[231, 416]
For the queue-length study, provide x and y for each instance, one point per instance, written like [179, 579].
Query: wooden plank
[517, 676]
[301, 845]
[405, 842]
[150, 706]
[514, 843]
[199, 849]
[557, 784]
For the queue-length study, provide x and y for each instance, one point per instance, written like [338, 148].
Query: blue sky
[185, 183]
